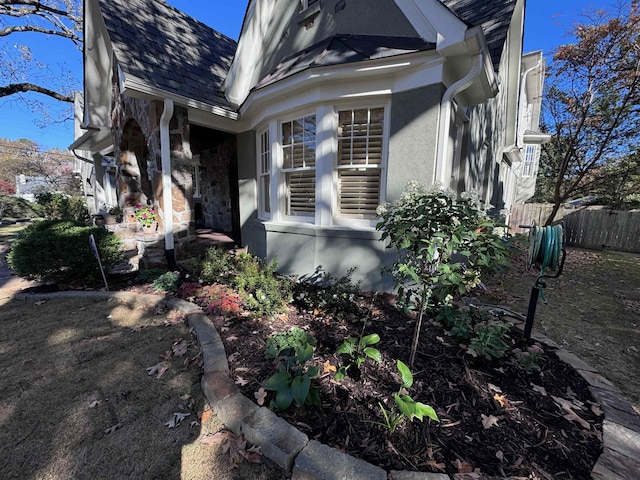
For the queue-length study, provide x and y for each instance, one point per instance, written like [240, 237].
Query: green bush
[262, 292]
[59, 251]
[167, 282]
[16, 208]
[58, 206]
[328, 295]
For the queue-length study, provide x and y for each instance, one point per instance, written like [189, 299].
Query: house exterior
[324, 109]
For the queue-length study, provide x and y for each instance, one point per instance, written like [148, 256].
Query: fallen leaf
[216, 438]
[175, 318]
[463, 467]
[490, 421]
[158, 368]
[494, 387]
[94, 404]
[179, 347]
[41, 302]
[206, 415]
[177, 419]
[502, 400]
[541, 390]
[113, 428]
[328, 368]
[241, 381]
[260, 395]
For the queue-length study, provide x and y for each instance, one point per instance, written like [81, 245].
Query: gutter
[445, 116]
[167, 198]
[523, 91]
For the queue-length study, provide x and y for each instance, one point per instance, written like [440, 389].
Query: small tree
[592, 105]
[429, 228]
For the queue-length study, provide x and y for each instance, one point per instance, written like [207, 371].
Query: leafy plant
[167, 282]
[58, 206]
[458, 322]
[428, 227]
[490, 339]
[59, 251]
[328, 295]
[407, 406]
[358, 350]
[292, 381]
[145, 214]
[529, 361]
[148, 275]
[216, 266]
[219, 299]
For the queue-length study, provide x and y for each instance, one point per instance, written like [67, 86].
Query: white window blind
[299, 163]
[529, 159]
[360, 138]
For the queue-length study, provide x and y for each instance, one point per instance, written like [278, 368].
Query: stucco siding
[250, 238]
[301, 249]
[290, 34]
[413, 138]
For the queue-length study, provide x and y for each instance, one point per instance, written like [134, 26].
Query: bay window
[325, 168]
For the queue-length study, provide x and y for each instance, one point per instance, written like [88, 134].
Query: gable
[160, 47]
[494, 17]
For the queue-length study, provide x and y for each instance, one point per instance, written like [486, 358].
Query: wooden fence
[595, 227]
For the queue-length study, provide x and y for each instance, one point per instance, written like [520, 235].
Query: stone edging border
[311, 460]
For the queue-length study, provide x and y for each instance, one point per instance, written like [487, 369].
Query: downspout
[445, 116]
[523, 92]
[167, 198]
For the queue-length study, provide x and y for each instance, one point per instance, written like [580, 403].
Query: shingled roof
[341, 49]
[494, 16]
[169, 50]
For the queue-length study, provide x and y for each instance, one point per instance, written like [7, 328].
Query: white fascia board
[433, 21]
[133, 86]
[94, 140]
[322, 84]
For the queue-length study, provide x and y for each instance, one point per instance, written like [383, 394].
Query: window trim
[352, 220]
[264, 202]
[283, 193]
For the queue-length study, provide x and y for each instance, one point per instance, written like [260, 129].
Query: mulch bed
[495, 418]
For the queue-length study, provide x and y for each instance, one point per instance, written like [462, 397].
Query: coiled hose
[546, 247]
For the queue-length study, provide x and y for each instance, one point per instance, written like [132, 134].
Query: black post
[531, 313]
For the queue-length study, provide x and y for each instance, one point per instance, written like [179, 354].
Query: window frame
[283, 171]
[359, 220]
[264, 170]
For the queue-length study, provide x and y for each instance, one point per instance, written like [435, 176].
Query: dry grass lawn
[77, 401]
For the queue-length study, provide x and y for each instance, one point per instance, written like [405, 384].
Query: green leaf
[304, 354]
[278, 381]
[347, 346]
[341, 373]
[373, 353]
[370, 339]
[300, 389]
[405, 373]
[312, 371]
[423, 410]
[284, 398]
[406, 405]
[314, 397]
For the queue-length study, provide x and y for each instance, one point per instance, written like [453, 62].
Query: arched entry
[133, 168]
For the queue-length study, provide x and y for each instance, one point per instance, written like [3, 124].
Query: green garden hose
[546, 245]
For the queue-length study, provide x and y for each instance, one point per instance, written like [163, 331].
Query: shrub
[328, 295]
[59, 251]
[220, 299]
[429, 227]
[167, 282]
[148, 275]
[262, 292]
[58, 206]
[16, 208]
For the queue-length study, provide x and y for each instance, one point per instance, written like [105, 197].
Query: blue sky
[546, 24]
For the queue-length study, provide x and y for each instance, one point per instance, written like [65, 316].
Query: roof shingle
[168, 49]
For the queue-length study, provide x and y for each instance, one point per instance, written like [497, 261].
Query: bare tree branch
[32, 28]
[14, 88]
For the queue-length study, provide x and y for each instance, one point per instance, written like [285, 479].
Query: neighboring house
[30, 186]
[323, 110]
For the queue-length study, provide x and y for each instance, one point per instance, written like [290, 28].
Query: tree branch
[14, 88]
[37, 5]
[31, 28]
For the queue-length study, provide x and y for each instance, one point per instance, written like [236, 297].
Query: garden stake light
[546, 250]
